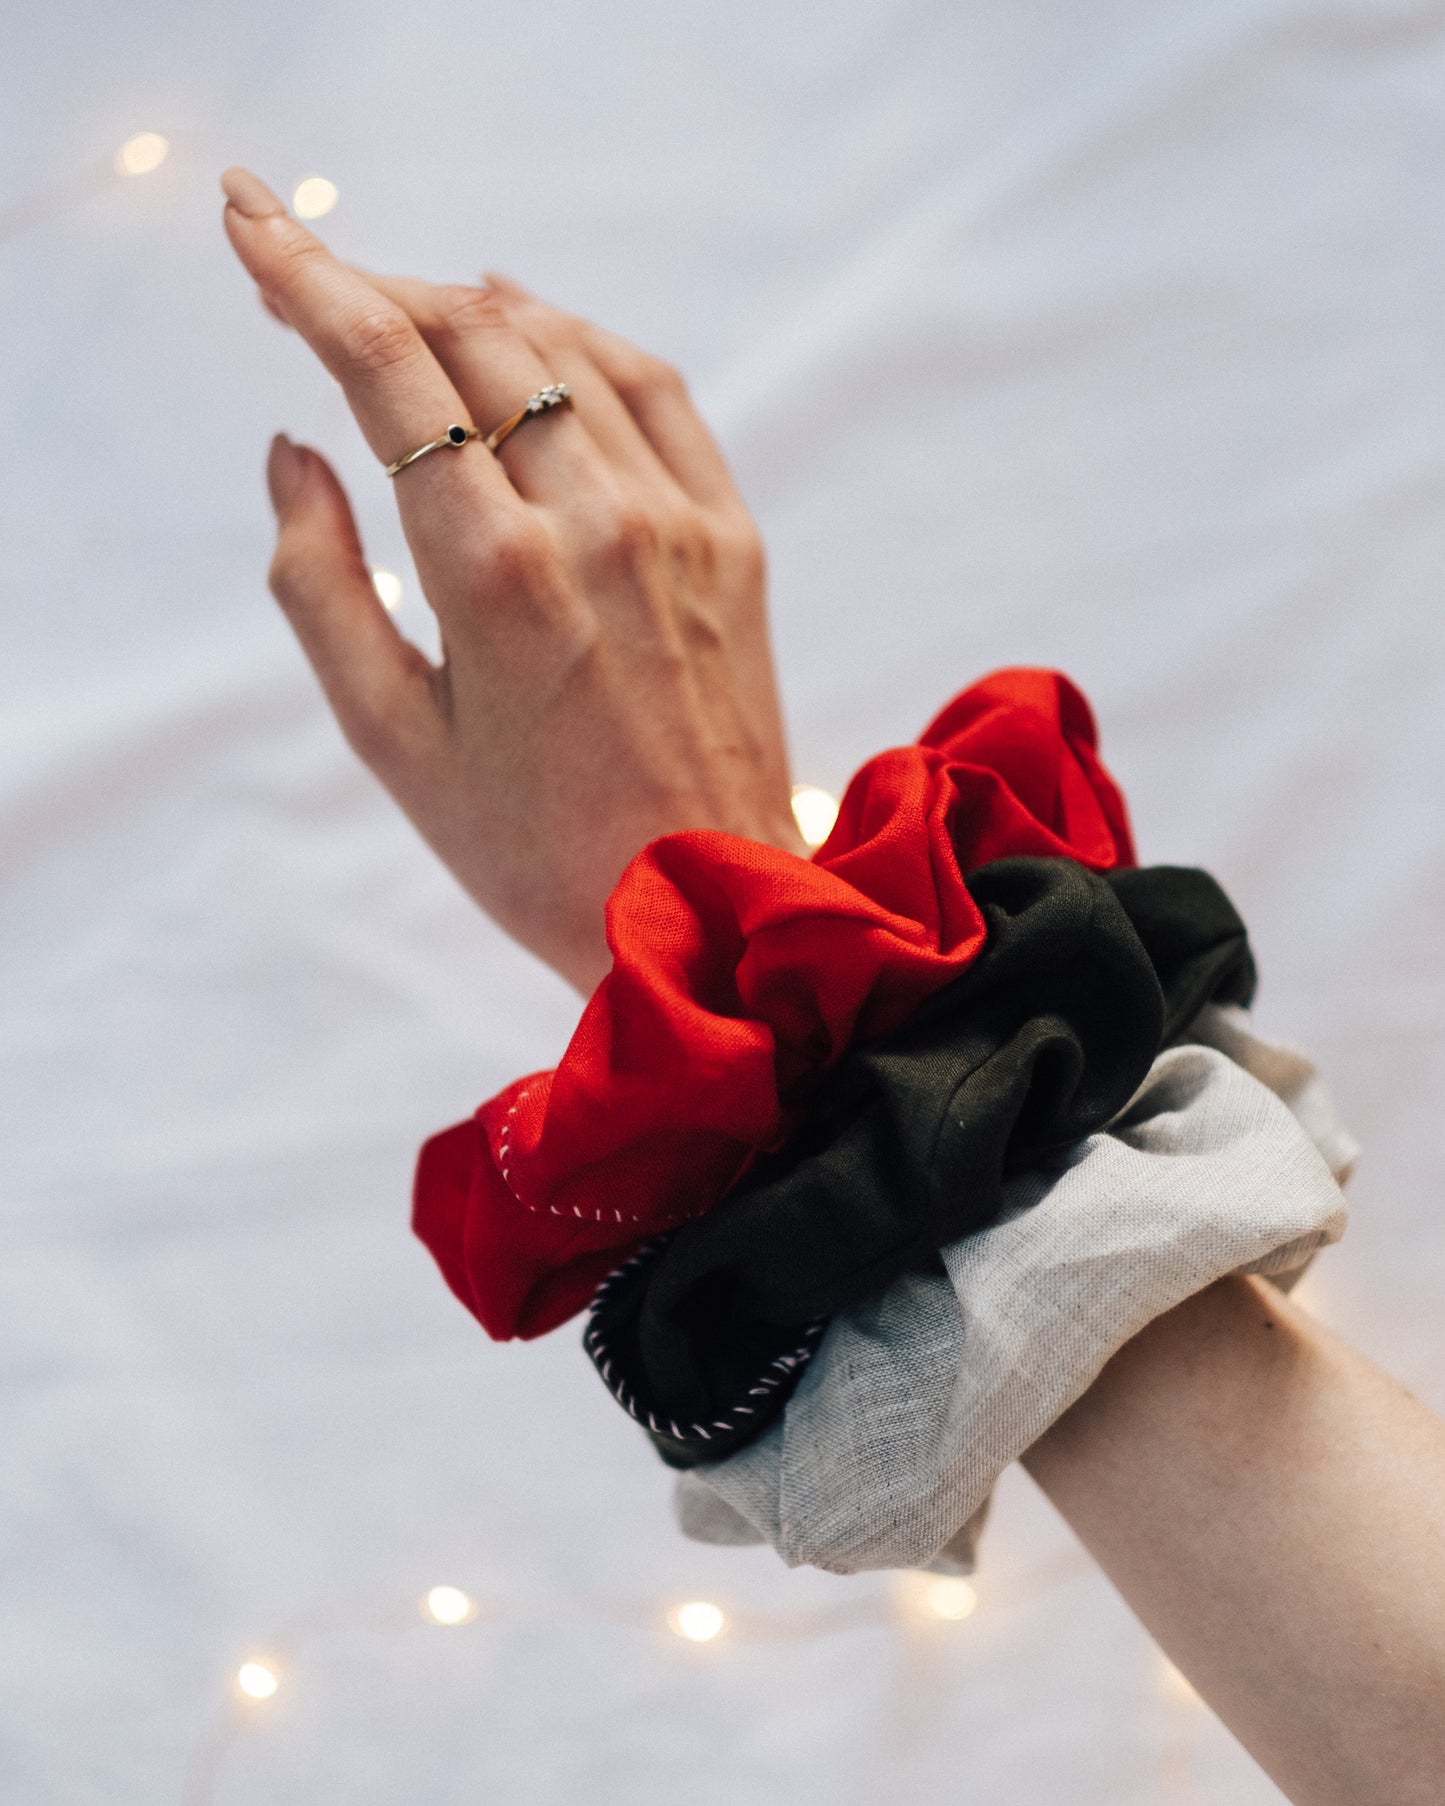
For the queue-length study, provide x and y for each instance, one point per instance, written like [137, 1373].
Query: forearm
[1269, 1504]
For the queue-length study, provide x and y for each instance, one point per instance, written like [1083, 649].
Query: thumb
[380, 687]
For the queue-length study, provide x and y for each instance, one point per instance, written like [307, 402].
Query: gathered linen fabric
[907, 1143]
[740, 975]
[887, 1453]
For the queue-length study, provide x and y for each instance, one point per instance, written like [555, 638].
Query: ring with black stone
[454, 436]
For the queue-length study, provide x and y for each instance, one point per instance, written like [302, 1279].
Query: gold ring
[555, 395]
[454, 436]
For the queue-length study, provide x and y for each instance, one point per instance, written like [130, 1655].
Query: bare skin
[598, 582]
[1265, 1499]
[1272, 1506]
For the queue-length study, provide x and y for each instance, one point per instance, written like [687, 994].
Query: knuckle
[695, 548]
[378, 340]
[641, 373]
[462, 311]
[575, 635]
[552, 340]
[517, 557]
[539, 319]
[631, 534]
[699, 628]
[714, 552]
[665, 378]
[292, 250]
[565, 331]
[680, 547]
[672, 654]
[287, 576]
[628, 369]
[561, 328]
[740, 550]
[617, 531]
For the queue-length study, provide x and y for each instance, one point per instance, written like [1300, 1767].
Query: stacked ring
[555, 395]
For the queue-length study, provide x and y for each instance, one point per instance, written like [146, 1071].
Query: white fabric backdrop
[1104, 336]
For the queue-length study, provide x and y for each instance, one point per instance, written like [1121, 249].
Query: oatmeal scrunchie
[1229, 1160]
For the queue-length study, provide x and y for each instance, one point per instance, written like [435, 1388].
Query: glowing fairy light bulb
[448, 1605]
[929, 1598]
[388, 589]
[139, 155]
[699, 1621]
[950, 1598]
[314, 197]
[1175, 1684]
[815, 812]
[257, 1680]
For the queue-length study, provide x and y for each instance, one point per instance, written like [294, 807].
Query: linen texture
[887, 1454]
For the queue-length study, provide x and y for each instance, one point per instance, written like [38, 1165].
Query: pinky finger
[382, 690]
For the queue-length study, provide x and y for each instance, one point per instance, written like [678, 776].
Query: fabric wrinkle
[915, 1403]
[740, 975]
[909, 1143]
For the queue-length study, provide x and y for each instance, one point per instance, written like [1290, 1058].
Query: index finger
[401, 396]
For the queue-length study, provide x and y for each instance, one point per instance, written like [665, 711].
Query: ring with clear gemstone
[554, 395]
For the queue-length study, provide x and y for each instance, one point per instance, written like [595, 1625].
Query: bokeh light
[388, 589]
[1175, 1684]
[947, 1597]
[815, 812]
[257, 1680]
[448, 1605]
[139, 155]
[699, 1620]
[313, 197]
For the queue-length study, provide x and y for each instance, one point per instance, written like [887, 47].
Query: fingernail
[249, 195]
[285, 472]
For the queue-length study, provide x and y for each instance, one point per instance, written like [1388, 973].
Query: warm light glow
[815, 812]
[698, 1620]
[929, 1597]
[1174, 1683]
[946, 1597]
[313, 197]
[138, 156]
[257, 1680]
[448, 1605]
[388, 588]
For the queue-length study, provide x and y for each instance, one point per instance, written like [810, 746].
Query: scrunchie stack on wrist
[810, 1094]
[908, 1142]
[740, 975]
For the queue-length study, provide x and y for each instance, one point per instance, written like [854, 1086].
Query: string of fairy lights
[913, 1604]
[927, 1611]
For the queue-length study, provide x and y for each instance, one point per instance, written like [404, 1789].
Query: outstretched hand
[598, 583]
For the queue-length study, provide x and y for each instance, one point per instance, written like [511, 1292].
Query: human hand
[599, 586]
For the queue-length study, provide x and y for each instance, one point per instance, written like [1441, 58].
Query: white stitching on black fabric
[785, 1365]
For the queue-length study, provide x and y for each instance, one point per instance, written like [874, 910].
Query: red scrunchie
[739, 974]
